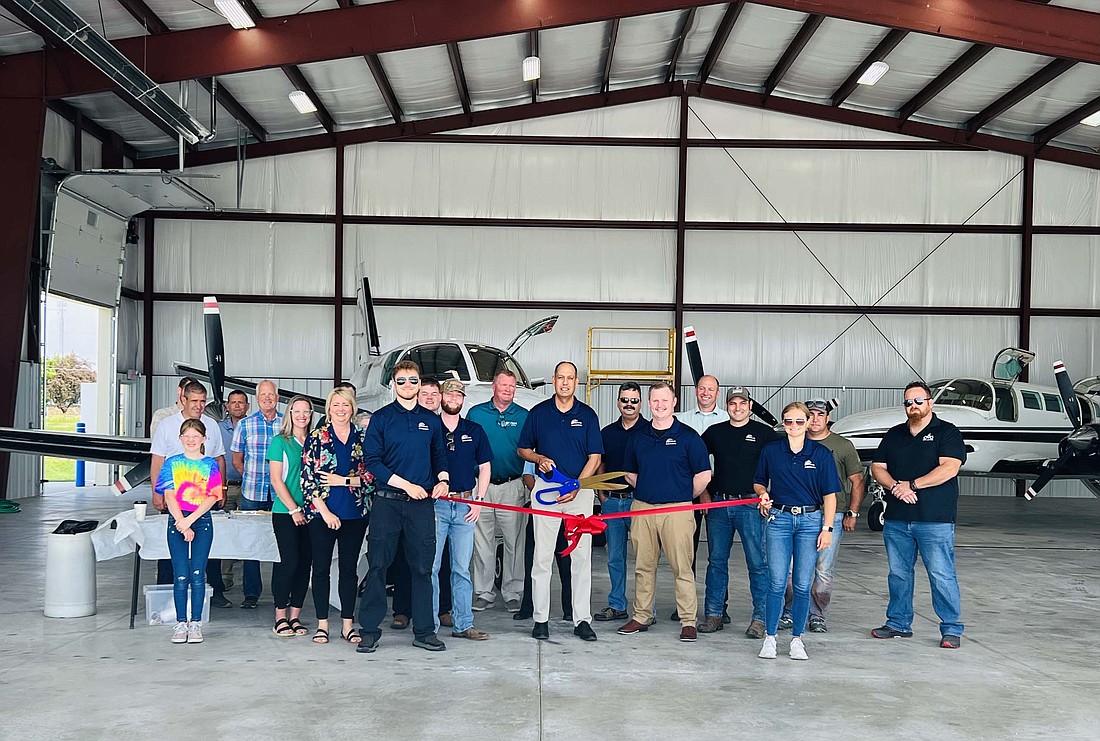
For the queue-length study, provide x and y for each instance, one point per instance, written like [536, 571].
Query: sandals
[283, 628]
[352, 636]
[298, 627]
[321, 636]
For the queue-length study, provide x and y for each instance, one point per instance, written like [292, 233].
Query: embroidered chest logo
[467, 439]
[670, 441]
[928, 438]
[809, 464]
[576, 423]
[750, 438]
[508, 423]
[422, 426]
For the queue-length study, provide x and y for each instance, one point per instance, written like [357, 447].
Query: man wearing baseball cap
[736, 448]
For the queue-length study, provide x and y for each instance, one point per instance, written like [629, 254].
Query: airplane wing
[133, 451]
[239, 384]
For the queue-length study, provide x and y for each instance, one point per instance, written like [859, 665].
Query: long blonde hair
[286, 429]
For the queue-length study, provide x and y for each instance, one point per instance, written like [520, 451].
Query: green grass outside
[61, 469]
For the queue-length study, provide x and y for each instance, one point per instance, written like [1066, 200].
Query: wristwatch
[913, 485]
[826, 528]
[850, 513]
[347, 481]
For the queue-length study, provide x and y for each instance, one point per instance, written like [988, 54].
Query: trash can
[70, 570]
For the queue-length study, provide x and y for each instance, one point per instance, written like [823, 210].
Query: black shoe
[541, 631]
[887, 632]
[521, 615]
[675, 616]
[567, 617]
[430, 643]
[584, 631]
[610, 613]
[219, 600]
[726, 618]
[367, 645]
[250, 603]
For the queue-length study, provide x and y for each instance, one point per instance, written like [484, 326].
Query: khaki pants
[546, 536]
[510, 525]
[673, 531]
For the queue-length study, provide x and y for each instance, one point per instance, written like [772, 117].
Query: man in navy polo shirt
[468, 460]
[918, 463]
[406, 452]
[562, 433]
[615, 438]
[667, 463]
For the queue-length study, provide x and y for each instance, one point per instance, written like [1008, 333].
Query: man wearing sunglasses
[406, 451]
[918, 462]
[615, 438]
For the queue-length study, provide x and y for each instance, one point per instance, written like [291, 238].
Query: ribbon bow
[578, 525]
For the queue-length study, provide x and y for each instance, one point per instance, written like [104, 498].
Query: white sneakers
[187, 633]
[798, 649]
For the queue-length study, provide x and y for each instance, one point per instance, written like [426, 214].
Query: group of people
[419, 473]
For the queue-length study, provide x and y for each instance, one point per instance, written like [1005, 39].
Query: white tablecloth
[246, 536]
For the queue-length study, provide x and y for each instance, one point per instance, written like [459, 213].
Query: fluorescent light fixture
[1093, 120]
[235, 13]
[302, 102]
[874, 73]
[532, 69]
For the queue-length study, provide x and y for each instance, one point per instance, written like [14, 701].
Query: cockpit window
[440, 362]
[488, 361]
[964, 392]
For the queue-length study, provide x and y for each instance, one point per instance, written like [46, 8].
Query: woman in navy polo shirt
[797, 483]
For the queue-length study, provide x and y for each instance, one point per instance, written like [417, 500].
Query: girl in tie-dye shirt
[191, 484]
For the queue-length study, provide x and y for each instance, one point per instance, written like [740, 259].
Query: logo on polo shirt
[928, 438]
[422, 426]
[576, 423]
[750, 438]
[508, 423]
[467, 439]
[670, 441]
[809, 464]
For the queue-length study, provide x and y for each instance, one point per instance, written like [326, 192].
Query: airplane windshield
[488, 361]
[964, 392]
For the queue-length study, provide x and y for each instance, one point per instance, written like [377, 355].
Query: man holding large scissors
[564, 434]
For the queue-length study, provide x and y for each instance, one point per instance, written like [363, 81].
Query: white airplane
[1012, 429]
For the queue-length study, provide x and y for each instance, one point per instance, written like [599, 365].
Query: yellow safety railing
[644, 354]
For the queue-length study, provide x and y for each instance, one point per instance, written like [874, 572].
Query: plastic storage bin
[70, 575]
[160, 607]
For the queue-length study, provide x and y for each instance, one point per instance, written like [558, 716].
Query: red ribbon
[578, 525]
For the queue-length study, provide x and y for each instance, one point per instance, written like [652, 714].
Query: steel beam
[1029, 86]
[721, 35]
[533, 51]
[954, 71]
[460, 77]
[1065, 123]
[689, 18]
[880, 52]
[384, 87]
[798, 43]
[609, 58]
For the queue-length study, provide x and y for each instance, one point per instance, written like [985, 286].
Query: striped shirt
[252, 437]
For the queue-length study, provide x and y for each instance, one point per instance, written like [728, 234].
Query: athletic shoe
[430, 643]
[798, 650]
[194, 632]
[250, 603]
[887, 632]
[219, 600]
[541, 631]
[584, 631]
[755, 629]
[817, 624]
[179, 635]
[950, 641]
[481, 604]
[786, 622]
[688, 634]
[512, 605]
[367, 645]
[712, 624]
[767, 651]
[608, 614]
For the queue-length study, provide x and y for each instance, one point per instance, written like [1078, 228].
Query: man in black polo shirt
[667, 464]
[615, 437]
[406, 452]
[736, 449]
[918, 463]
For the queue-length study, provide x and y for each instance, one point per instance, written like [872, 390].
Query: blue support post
[81, 428]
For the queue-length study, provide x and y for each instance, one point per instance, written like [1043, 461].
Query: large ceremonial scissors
[566, 485]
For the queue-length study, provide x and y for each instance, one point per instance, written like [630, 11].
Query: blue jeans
[189, 565]
[791, 537]
[617, 532]
[253, 583]
[936, 543]
[450, 523]
[821, 593]
[721, 525]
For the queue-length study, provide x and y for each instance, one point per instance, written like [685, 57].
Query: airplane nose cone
[1083, 438]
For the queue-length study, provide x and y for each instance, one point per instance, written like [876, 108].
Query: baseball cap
[453, 384]
[818, 405]
[738, 392]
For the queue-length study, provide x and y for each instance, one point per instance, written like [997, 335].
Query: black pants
[290, 577]
[349, 538]
[565, 570]
[399, 577]
[412, 524]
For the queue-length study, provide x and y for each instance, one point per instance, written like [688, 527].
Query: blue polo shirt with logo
[615, 438]
[566, 437]
[471, 449]
[406, 442]
[909, 457]
[799, 479]
[502, 429]
[666, 462]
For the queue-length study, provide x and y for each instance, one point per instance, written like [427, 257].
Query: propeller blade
[767, 417]
[695, 360]
[1065, 388]
[1048, 473]
[374, 343]
[215, 356]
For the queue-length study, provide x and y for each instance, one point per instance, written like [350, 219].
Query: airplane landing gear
[876, 515]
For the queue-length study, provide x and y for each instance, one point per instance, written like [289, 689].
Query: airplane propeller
[695, 362]
[1083, 440]
[215, 356]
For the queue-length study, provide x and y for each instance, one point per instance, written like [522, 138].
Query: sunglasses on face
[411, 380]
[795, 422]
[624, 400]
[915, 402]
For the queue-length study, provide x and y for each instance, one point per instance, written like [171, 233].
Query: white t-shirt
[166, 440]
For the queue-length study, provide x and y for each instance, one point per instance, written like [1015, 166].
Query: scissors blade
[600, 481]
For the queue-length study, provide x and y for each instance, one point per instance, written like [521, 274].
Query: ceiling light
[235, 13]
[1093, 120]
[874, 73]
[532, 69]
[302, 102]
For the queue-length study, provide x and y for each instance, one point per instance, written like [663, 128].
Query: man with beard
[918, 463]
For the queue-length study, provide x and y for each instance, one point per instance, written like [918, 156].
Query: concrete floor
[1027, 668]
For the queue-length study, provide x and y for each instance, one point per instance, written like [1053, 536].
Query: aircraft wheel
[876, 516]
